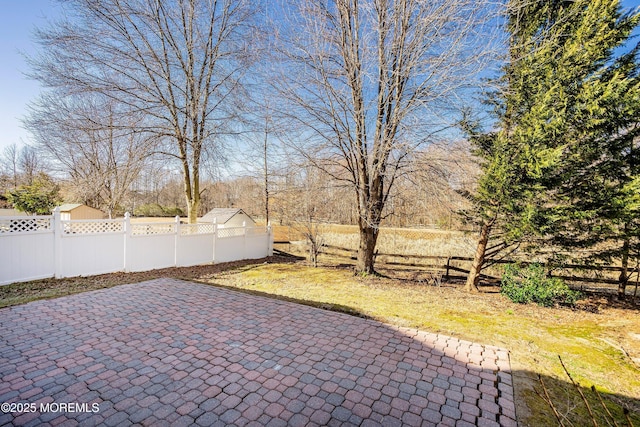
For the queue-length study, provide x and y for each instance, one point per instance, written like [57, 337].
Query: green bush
[156, 210]
[173, 211]
[531, 284]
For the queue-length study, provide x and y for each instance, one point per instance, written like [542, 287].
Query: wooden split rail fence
[453, 267]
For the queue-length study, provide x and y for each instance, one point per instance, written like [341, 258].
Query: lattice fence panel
[230, 232]
[73, 227]
[152, 229]
[24, 225]
[190, 229]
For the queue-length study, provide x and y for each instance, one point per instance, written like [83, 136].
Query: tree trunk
[366, 254]
[192, 210]
[473, 279]
[623, 279]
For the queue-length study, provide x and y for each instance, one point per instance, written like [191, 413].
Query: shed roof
[223, 215]
[69, 207]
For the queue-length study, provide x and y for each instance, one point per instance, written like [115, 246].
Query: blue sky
[17, 21]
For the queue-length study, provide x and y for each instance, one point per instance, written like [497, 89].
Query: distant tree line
[297, 192]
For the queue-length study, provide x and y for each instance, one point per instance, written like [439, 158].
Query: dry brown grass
[427, 242]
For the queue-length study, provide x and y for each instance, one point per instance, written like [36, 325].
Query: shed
[11, 212]
[228, 217]
[70, 211]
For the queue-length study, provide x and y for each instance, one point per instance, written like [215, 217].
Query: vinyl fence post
[269, 239]
[56, 224]
[215, 239]
[127, 236]
[176, 242]
[244, 240]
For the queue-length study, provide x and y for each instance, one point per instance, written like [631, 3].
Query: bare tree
[256, 159]
[20, 165]
[176, 62]
[9, 163]
[30, 163]
[445, 175]
[265, 159]
[92, 143]
[307, 205]
[369, 81]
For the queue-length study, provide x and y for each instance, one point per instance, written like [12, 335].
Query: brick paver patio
[169, 352]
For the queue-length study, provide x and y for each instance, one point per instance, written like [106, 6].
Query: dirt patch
[20, 293]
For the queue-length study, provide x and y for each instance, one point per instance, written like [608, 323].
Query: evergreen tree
[39, 197]
[566, 107]
[593, 211]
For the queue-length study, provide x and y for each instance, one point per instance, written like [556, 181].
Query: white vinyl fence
[38, 247]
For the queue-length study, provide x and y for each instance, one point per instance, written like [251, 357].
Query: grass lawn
[598, 343]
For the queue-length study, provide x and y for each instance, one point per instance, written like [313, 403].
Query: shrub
[156, 210]
[173, 211]
[532, 284]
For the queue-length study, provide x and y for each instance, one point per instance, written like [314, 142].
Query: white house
[228, 217]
